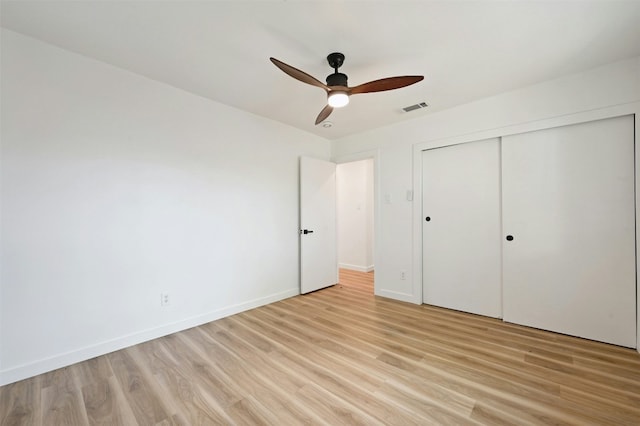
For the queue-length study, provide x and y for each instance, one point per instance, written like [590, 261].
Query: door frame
[366, 155]
[581, 117]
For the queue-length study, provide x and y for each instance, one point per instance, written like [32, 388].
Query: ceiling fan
[337, 90]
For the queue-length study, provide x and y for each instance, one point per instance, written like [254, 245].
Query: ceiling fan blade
[386, 84]
[297, 74]
[326, 112]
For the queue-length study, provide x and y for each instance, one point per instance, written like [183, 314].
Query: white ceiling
[221, 49]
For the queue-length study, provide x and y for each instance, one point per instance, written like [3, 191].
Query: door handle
[306, 231]
[509, 237]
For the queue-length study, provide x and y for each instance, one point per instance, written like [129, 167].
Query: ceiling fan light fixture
[337, 90]
[338, 99]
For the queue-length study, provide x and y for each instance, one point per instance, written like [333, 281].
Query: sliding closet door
[461, 227]
[569, 230]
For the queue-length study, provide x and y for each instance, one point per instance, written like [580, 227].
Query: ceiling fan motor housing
[337, 79]
[336, 59]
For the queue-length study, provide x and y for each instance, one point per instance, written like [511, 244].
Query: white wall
[355, 215]
[396, 241]
[116, 188]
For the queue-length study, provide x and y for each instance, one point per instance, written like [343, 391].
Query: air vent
[415, 107]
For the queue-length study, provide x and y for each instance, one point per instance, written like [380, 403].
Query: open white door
[318, 242]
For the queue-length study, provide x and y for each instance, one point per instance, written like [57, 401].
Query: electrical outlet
[403, 274]
[164, 299]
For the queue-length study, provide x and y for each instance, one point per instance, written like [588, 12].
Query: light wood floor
[341, 356]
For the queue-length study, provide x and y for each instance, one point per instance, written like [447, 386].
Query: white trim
[564, 120]
[637, 166]
[355, 267]
[62, 360]
[403, 297]
[530, 126]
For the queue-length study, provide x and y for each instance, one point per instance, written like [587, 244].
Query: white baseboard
[25, 371]
[355, 267]
[403, 297]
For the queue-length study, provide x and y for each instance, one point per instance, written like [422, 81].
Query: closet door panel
[461, 239]
[568, 202]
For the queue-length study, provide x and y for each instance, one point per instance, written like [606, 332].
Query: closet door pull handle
[509, 237]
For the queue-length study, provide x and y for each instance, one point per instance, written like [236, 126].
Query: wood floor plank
[180, 394]
[20, 403]
[341, 356]
[247, 412]
[331, 408]
[105, 404]
[273, 394]
[261, 398]
[63, 406]
[372, 366]
[278, 383]
[91, 371]
[206, 374]
[139, 390]
[427, 406]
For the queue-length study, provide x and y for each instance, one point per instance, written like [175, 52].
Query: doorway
[355, 223]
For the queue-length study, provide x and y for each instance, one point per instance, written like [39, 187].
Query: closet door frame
[582, 117]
